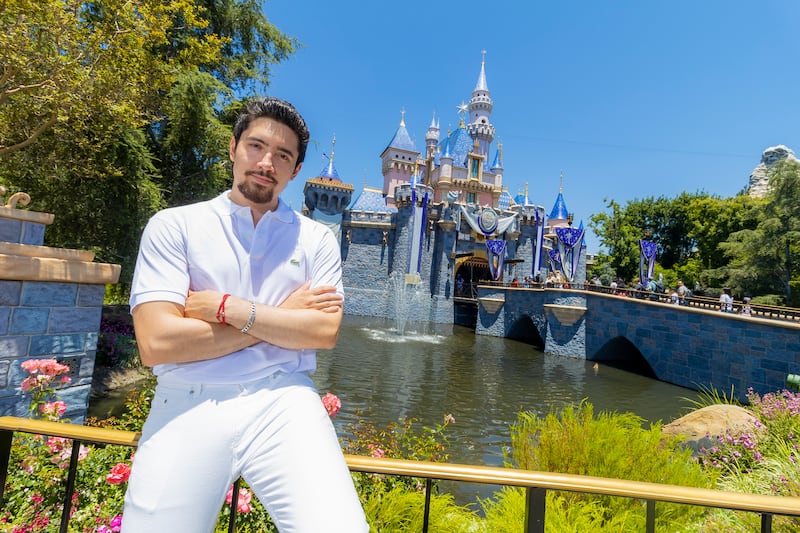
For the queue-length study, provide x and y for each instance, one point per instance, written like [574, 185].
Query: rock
[759, 179]
[701, 428]
[105, 379]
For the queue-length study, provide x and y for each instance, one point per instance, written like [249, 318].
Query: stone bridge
[686, 346]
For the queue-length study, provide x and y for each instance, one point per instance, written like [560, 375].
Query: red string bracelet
[221, 310]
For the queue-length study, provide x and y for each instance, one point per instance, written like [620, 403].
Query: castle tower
[480, 109]
[432, 138]
[398, 160]
[327, 196]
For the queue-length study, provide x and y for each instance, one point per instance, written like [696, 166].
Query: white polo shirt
[213, 245]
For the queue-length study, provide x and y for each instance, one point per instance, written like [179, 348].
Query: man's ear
[296, 170]
[232, 149]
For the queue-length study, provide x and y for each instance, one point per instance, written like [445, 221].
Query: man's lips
[261, 177]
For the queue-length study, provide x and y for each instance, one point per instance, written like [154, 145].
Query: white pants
[274, 433]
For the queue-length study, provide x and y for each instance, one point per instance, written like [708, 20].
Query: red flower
[332, 404]
[119, 474]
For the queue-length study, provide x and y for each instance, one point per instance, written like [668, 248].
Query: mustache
[263, 174]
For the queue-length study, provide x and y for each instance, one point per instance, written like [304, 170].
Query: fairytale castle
[442, 223]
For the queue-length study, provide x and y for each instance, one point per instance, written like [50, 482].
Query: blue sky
[629, 99]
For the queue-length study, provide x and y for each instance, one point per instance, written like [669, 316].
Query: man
[230, 299]
[682, 290]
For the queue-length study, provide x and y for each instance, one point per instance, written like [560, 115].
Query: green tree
[687, 231]
[620, 237]
[764, 259]
[80, 82]
[65, 62]
[192, 142]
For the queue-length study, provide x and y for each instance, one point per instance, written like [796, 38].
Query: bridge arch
[523, 329]
[621, 353]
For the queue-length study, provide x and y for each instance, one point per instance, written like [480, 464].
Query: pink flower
[55, 409]
[243, 502]
[56, 444]
[376, 451]
[116, 524]
[37, 498]
[119, 474]
[332, 404]
[449, 419]
[48, 367]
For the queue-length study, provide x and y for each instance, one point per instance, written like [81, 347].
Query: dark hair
[278, 110]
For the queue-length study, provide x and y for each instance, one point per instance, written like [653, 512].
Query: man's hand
[324, 298]
[203, 305]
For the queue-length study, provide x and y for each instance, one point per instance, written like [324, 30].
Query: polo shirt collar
[282, 213]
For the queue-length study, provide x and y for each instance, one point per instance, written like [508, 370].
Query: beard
[256, 193]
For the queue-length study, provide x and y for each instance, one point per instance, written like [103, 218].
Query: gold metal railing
[536, 483]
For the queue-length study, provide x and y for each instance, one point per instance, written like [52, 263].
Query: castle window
[471, 198]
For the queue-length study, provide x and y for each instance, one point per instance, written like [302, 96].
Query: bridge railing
[775, 312]
[535, 483]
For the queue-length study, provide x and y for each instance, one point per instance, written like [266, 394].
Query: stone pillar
[566, 324]
[51, 301]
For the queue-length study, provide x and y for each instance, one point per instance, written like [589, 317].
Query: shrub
[574, 441]
[766, 463]
[505, 513]
[116, 344]
[404, 439]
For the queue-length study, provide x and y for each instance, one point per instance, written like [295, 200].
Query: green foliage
[35, 488]
[505, 513]
[574, 441]
[602, 269]
[402, 440]
[689, 231]
[398, 509]
[111, 110]
[116, 345]
[192, 141]
[711, 396]
[68, 62]
[763, 462]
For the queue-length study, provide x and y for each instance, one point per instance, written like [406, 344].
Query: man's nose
[266, 161]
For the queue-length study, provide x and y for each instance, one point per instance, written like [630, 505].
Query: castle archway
[469, 272]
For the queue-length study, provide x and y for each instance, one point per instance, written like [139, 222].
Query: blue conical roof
[457, 145]
[402, 140]
[329, 171]
[560, 208]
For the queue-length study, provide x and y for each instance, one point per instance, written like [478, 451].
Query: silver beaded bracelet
[251, 318]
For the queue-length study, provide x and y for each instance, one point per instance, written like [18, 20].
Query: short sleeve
[161, 272]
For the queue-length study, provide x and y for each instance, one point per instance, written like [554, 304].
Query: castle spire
[481, 85]
[480, 107]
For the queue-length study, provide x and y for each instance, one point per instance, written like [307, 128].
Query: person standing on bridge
[682, 290]
[726, 301]
[231, 298]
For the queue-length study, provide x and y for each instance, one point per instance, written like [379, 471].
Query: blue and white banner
[554, 258]
[647, 260]
[570, 241]
[495, 256]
